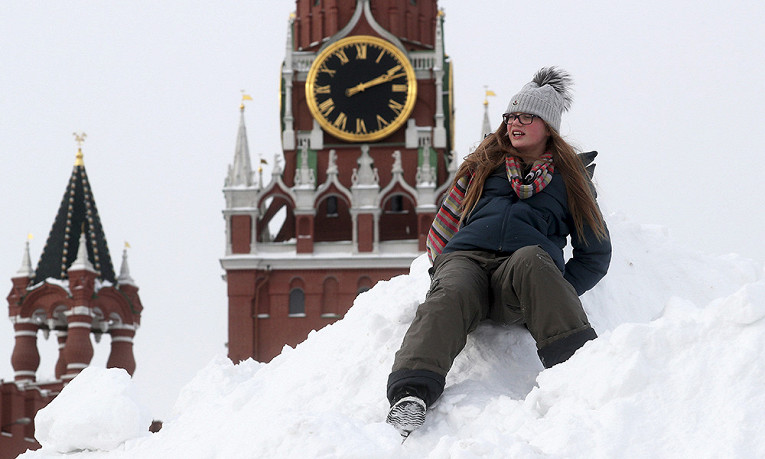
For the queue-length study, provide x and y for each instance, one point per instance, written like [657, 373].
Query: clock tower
[367, 133]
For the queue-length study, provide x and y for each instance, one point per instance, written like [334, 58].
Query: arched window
[399, 218]
[333, 221]
[396, 204]
[297, 303]
[332, 206]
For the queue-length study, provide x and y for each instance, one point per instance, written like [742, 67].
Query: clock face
[361, 88]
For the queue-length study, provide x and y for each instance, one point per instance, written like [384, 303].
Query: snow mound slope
[676, 372]
[98, 409]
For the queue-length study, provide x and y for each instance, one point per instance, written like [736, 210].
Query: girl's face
[529, 139]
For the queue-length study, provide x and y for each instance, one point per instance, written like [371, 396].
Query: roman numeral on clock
[342, 56]
[340, 121]
[327, 70]
[361, 51]
[361, 128]
[395, 106]
[326, 107]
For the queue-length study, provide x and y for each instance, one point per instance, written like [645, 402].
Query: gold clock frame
[385, 46]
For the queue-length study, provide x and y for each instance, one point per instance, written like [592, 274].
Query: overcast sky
[670, 94]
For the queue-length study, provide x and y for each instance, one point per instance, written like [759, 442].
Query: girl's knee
[533, 256]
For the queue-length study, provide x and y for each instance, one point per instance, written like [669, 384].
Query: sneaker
[407, 415]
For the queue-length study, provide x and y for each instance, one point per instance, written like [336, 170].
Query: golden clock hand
[357, 89]
[362, 86]
[374, 82]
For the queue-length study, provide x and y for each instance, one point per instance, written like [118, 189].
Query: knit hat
[547, 96]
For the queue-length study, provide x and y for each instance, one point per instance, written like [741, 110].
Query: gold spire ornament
[79, 139]
[244, 97]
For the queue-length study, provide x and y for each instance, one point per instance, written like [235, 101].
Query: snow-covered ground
[677, 371]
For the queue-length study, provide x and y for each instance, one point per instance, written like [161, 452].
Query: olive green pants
[470, 286]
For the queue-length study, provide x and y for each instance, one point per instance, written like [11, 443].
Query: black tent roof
[77, 213]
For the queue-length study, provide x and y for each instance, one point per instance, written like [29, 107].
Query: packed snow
[677, 371]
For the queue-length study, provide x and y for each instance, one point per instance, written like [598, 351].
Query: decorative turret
[124, 277]
[239, 191]
[26, 271]
[73, 291]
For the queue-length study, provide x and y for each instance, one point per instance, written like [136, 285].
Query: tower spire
[240, 172]
[26, 262]
[77, 215]
[82, 262]
[124, 277]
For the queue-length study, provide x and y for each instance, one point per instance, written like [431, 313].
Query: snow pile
[98, 409]
[677, 372]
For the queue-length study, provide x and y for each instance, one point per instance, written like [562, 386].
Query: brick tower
[73, 293]
[366, 118]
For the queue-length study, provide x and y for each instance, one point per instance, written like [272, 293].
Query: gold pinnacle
[79, 139]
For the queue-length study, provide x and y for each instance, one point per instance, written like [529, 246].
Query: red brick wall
[280, 328]
[240, 233]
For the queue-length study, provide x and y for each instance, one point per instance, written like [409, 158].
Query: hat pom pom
[559, 80]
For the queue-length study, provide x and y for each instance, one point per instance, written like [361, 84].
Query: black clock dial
[361, 89]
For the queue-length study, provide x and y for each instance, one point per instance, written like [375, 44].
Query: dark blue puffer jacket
[503, 223]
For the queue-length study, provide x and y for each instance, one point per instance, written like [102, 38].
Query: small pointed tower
[486, 128]
[239, 191]
[73, 291]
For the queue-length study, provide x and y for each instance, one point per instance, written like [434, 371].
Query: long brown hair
[491, 153]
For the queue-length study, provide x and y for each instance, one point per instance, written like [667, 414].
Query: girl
[496, 246]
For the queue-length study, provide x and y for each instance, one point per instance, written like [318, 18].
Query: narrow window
[297, 303]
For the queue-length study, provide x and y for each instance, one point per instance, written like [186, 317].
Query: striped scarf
[447, 221]
[535, 181]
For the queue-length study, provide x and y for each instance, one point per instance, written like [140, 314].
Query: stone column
[25, 358]
[78, 350]
[61, 336]
[121, 355]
